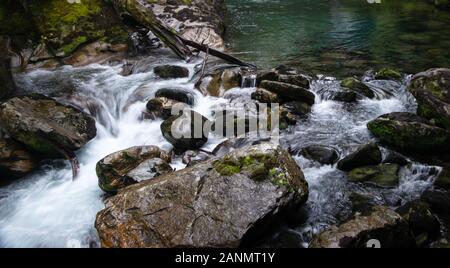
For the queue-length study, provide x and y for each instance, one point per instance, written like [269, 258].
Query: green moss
[227, 167]
[410, 136]
[388, 73]
[66, 26]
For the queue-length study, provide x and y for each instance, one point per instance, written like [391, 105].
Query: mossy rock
[388, 74]
[65, 27]
[357, 86]
[409, 132]
[385, 175]
[432, 92]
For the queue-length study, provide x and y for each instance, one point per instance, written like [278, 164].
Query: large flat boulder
[222, 202]
[46, 126]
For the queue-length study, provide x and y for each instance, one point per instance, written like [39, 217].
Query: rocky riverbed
[88, 156]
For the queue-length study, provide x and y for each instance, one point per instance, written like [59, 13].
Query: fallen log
[216, 53]
[141, 12]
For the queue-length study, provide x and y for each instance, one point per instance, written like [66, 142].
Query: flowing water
[48, 209]
[340, 37]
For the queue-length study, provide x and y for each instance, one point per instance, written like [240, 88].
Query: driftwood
[141, 12]
[216, 53]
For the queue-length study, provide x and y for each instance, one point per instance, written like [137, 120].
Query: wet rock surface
[409, 132]
[382, 224]
[44, 125]
[171, 71]
[123, 168]
[15, 160]
[321, 154]
[186, 131]
[432, 92]
[224, 202]
[366, 155]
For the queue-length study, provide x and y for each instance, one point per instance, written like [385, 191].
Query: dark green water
[340, 37]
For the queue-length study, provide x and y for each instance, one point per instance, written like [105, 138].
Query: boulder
[297, 107]
[432, 92]
[217, 81]
[439, 201]
[322, 154]
[388, 74]
[46, 126]
[161, 107]
[443, 180]
[392, 157]
[365, 155]
[383, 224]
[385, 175]
[177, 94]
[357, 86]
[284, 74]
[222, 202]
[171, 71]
[409, 132]
[422, 222]
[288, 92]
[344, 96]
[123, 168]
[15, 160]
[186, 131]
[265, 96]
[66, 27]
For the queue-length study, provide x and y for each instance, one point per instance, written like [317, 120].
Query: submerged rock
[321, 154]
[388, 74]
[171, 71]
[46, 126]
[366, 155]
[409, 132]
[15, 160]
[187, 131]
[289, 92]
[357, 86]
[385, 175]
[383, 224]
[225, 202]
[432, 92]
[178, 94]
[130, 166]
